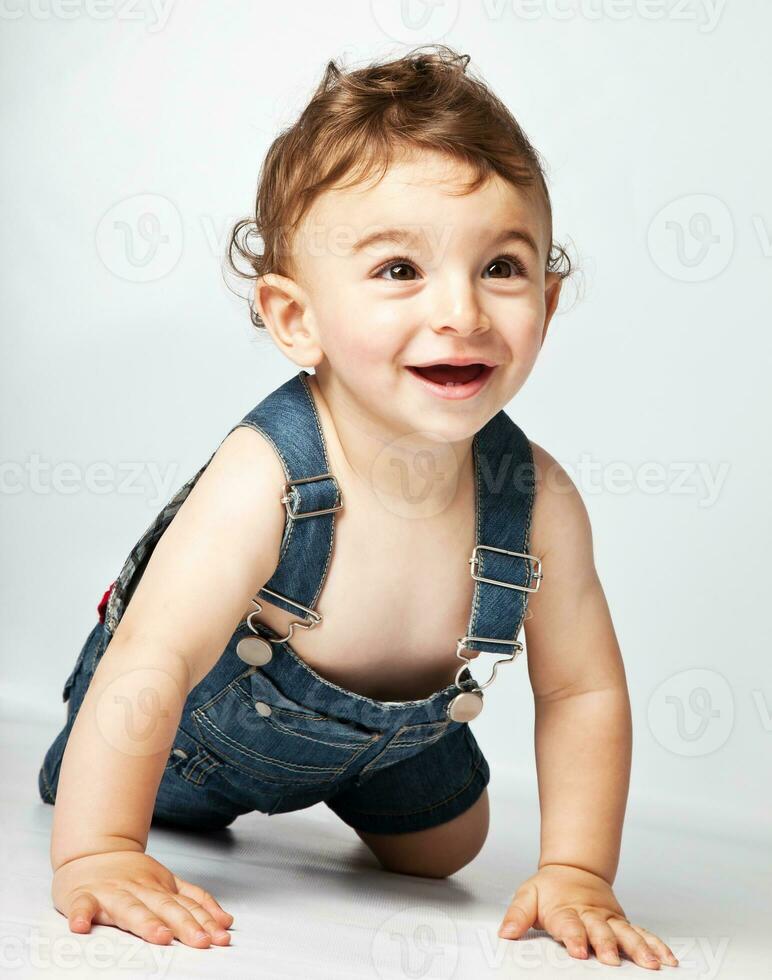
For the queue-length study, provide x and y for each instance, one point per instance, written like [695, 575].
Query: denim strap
[287, 417]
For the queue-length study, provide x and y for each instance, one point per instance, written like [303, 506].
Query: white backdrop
[126, 359]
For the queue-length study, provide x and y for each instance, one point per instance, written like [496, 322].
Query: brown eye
[507, 263]
[403, 267]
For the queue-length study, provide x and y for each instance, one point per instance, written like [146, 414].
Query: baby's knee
[437, 852]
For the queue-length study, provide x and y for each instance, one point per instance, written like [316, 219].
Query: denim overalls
[262, 730]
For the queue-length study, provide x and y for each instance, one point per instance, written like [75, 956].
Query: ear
[552, 286]
[283, 306]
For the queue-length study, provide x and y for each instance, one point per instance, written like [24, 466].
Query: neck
[412, 474]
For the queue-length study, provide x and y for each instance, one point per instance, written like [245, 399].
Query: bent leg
[426, 815]
[436, 852]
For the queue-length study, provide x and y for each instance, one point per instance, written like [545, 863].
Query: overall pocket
[256, 728]
[199, 790]
[408, 741]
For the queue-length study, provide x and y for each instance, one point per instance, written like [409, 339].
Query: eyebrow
[407, 236]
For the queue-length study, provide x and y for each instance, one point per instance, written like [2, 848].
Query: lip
[457, 362]
[454, 392]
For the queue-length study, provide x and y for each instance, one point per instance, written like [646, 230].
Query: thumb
[521, 914]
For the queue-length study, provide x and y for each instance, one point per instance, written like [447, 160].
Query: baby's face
[451, 282]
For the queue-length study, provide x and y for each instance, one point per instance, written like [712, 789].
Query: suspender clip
[287, 498]
[535, 574]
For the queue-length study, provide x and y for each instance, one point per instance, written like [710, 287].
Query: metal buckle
[312, 513]
[314, 616]
[537, 575]
[464, 642]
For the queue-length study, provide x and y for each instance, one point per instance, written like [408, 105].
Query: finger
[658, 947]
[204, 898]
[634, 944]
[204, 918]
[83, 908]
[568, 928]
[165, 907]
[602, 938]
[521, 914]
[184, 925]
[125, 910]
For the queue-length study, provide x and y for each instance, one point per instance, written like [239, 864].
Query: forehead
[426, 194]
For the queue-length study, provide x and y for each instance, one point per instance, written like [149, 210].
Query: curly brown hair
[357, 122]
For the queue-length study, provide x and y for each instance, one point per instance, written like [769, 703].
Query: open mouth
[453, 381]
[447, 374]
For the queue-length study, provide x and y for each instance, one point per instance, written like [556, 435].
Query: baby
[347, 534]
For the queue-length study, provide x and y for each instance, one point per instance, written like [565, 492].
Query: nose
[458, 310]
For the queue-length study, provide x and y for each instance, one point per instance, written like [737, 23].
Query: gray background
[124, 361]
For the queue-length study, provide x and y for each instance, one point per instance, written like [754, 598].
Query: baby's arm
[220, 549]
[583, 728]
[583, 736]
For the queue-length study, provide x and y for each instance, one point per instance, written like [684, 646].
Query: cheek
[371, 335]
[523, 331]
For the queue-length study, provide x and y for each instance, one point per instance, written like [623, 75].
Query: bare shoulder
[246, 454]
[561, 532]
[220, 548]
[240, 490]
[572, 646]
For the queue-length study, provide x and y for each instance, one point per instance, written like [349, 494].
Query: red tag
[102, 607]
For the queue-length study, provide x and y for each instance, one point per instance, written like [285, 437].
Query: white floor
[310, 901]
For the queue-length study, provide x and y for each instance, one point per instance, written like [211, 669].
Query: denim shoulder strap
[503, 570]
[287, 417]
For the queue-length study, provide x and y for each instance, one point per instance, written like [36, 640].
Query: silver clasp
[464, 642]
[315, 617]
[537, 574]
[287, 499]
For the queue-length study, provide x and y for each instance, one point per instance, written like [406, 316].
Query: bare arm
[583, 741]
[583, 729]
[220, 548]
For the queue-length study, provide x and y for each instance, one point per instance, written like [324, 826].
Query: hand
[131, 890]
[572, 905]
